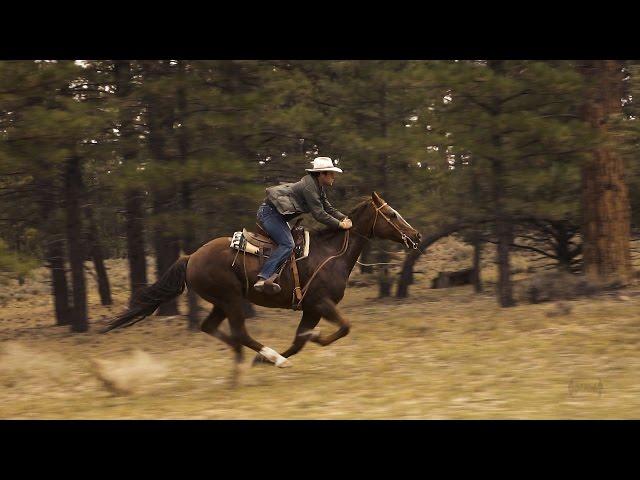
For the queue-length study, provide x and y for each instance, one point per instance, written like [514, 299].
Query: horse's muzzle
[411, 242]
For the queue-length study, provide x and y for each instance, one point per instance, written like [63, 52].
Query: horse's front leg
[306, 331]
[329, 310]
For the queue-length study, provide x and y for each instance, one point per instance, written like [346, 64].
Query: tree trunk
[166, 242]
[505, 239]
[54, 245]
[134, 225]
[476, 237]
[406, 274]
[385, 280]
[477, 256]
[134, 196]
[167, 248]
[561, 239]
[605, 198]
[96, 253]
[75, 243]
[188, 233]
[101, 272]
[504, 228]
[55, 260]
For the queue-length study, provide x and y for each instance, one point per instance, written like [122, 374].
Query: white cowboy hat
[323, 164]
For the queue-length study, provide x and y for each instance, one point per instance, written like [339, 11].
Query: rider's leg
[278, 229]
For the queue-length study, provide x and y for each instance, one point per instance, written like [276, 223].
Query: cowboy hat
[323, 164]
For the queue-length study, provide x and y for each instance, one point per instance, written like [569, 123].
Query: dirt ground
[440, 354]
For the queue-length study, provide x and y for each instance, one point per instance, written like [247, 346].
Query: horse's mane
[363, 201]
[325, 232]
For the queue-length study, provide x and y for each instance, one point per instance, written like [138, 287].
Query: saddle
[259, 243]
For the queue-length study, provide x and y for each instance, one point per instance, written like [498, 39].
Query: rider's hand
[346, 223]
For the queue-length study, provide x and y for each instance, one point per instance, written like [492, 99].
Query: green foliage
[627, 134]
[512, 128]
[427, 135]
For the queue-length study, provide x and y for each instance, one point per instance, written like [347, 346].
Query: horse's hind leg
[210, 326]
[239, 333]
[212, 322]
[304, 333]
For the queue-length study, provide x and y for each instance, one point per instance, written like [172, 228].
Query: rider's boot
[268, 286]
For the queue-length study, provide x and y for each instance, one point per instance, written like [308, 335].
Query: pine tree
[507, 124]
[605, 198]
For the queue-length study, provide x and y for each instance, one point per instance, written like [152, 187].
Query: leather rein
[345, 245]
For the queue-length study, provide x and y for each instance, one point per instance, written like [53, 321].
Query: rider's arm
[332, 211]
[316, 207]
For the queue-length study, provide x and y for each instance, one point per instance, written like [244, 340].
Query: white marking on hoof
[259, 359]
[283, 362]
[274, 357]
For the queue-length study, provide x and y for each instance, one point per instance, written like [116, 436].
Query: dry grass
[134, 373]
[438, 354]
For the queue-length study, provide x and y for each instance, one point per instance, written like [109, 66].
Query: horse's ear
[375, 196]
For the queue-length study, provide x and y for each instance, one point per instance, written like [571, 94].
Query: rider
[287, 201]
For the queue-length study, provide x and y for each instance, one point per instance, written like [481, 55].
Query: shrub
[555, 285]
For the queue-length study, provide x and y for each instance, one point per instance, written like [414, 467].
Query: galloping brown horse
[209, 272]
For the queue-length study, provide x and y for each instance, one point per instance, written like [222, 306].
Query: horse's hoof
[260, 360]
[283, 363]
[272, 356]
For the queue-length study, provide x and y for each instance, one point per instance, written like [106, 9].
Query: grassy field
[441, 354]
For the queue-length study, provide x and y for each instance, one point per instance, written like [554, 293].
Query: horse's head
[387, 223]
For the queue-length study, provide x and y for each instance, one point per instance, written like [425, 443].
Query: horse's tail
[147, 300]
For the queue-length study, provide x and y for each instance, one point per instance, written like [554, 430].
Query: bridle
[405, 238]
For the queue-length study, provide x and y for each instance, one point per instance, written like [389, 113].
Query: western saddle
[265, 245]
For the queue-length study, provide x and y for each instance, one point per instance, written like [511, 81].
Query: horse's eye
[393, 215]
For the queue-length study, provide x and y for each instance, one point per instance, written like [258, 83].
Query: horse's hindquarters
[210, 274]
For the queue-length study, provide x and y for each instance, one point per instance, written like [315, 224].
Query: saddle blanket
[239, 242]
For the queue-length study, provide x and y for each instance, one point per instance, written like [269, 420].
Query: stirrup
[271, 288]
[270, 285]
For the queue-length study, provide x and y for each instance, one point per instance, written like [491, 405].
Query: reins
[343, 249]
[345, 245]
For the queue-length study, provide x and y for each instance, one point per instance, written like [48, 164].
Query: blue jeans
[278, 229]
